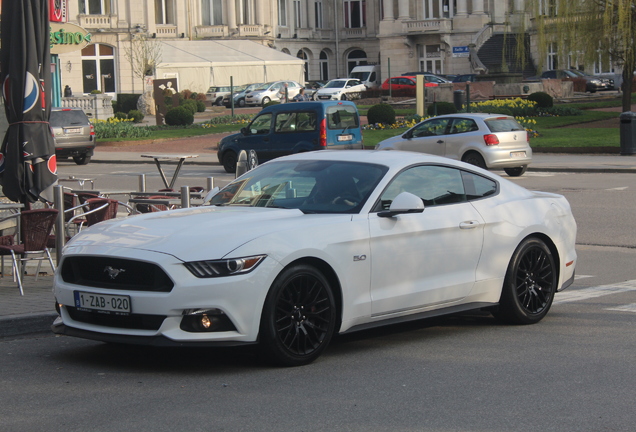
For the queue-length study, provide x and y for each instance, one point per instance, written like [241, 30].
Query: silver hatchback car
[489, 141]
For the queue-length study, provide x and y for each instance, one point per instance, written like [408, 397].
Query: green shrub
[108, 130]
[442, 108]
[270, 103]
[136, 116]
[381, 113]
[126, 102]
[542, 99]
[120, 115]
[96, 92]
[189, 104]
[559, 110]
[228, 119]
[200, 106]
[179, 116]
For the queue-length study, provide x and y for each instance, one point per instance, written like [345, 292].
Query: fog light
[206, 320]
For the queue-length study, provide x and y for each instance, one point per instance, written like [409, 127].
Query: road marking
[624, 308]
[617, 189]
[593, 292]
[577, 277]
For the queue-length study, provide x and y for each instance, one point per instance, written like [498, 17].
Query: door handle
[440, 142]
[469, 224]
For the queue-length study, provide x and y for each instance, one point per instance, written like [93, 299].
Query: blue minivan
[294, 127]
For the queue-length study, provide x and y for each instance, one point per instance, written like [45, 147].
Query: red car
[404, 83]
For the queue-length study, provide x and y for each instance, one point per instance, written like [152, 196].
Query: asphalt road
[573, 371]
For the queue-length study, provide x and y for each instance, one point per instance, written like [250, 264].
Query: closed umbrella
[28, 167]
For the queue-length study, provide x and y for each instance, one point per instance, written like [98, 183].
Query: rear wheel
[516, 171]
[229, 162]
[474, 158]
[529, 285]
[299, 317]
[241, 102]
[82, 159]
[265, 101]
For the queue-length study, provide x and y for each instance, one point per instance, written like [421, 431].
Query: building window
[548, 8]
[324, 66]
[244, 11]
[298, 16]
[212, 12]
[430, 59]
[94, 7]
[282, 13]
[355, 12]
[552, 61]
[303, 55]
[318, 14]
[164, 12]
[356, 58]
[435, 9]
[98, 68]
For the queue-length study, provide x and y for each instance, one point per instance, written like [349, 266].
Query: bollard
[210, 183]
[142, 183]
[241, 164]
[60, 232]
[185, 196]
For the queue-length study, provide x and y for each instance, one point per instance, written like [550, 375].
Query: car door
[462, 132]
[426, 137]
[259, 137]
[424, 259]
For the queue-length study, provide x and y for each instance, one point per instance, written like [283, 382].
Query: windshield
[335, 84]
[362, 76]
[312, 186]
[263, 86]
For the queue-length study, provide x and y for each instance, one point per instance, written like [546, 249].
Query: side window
[477, 187]
[431, 128]
[261, 124]
[295, 122]
[463, 125]
[435, 185]
[372, 78]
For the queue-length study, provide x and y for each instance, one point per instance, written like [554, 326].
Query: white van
[369, 75]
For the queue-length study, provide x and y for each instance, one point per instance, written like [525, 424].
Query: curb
[22, 325]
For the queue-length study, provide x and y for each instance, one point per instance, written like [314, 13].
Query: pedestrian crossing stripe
[624, 308]
[570, 296]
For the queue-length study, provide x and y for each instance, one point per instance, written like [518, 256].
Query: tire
[529, 285]
[82, 159]
[299, 317]
[229, 162]
[474, 158]
[241, 103]
[343, 97]
[265, 101]
[219, 102]
[517, 171]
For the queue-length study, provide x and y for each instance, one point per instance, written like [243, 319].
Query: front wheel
[82, 159]
[343, 97]
[474, 158]
[265, 101]
[516, 171]
[241, 102]
[229, 162]
[529, 285]
[299, 317]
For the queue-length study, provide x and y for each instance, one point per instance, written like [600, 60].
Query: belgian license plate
[518, 154]
[73, 130]
[345, 137]
[102, 302]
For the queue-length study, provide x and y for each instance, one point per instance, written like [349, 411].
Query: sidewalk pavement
[35, 311]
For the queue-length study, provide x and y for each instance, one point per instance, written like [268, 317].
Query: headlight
[224, 267]
[595, 81]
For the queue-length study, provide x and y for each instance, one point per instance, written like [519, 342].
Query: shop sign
[67, 37]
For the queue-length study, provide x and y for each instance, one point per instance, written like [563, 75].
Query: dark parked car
[74, 134]
[592, 83]
[465, 78]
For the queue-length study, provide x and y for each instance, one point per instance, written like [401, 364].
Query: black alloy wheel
[529, 285]
[474, 158]
[516, 171]
[299, 317]
[229, 161]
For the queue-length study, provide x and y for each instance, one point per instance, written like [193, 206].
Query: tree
[588, 31]
[144, 54]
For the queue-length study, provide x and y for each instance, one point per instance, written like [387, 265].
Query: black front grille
[115, 273]
[131, 321]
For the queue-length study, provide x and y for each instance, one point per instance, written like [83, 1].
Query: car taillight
[491, 139]
[323, 133]
[92, 129]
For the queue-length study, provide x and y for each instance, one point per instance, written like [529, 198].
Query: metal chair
[35, 228]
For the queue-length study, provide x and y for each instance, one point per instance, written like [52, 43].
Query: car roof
[482, 116]
[298, 106]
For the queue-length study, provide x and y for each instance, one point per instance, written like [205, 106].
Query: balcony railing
[324, 34]
[98, 106]
[246, 30]
[429, 25]
[98, 21]
[353, 33]
[166, 30]
[216, 31]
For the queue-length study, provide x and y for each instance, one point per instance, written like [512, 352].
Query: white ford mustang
[319, 243]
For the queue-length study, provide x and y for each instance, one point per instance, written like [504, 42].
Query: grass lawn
[180, 133]
[577, 137]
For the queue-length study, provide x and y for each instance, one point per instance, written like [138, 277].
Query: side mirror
[210, 195]
[404, 203]
[245, 130]
[408, 134]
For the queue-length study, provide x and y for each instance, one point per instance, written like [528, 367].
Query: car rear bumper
[65, 152]
[508, 157]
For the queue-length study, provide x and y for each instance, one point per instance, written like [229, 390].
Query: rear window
[341, 116]
[503, 124]
[67, 118]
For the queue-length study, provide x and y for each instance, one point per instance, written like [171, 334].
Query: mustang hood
[188, 234]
